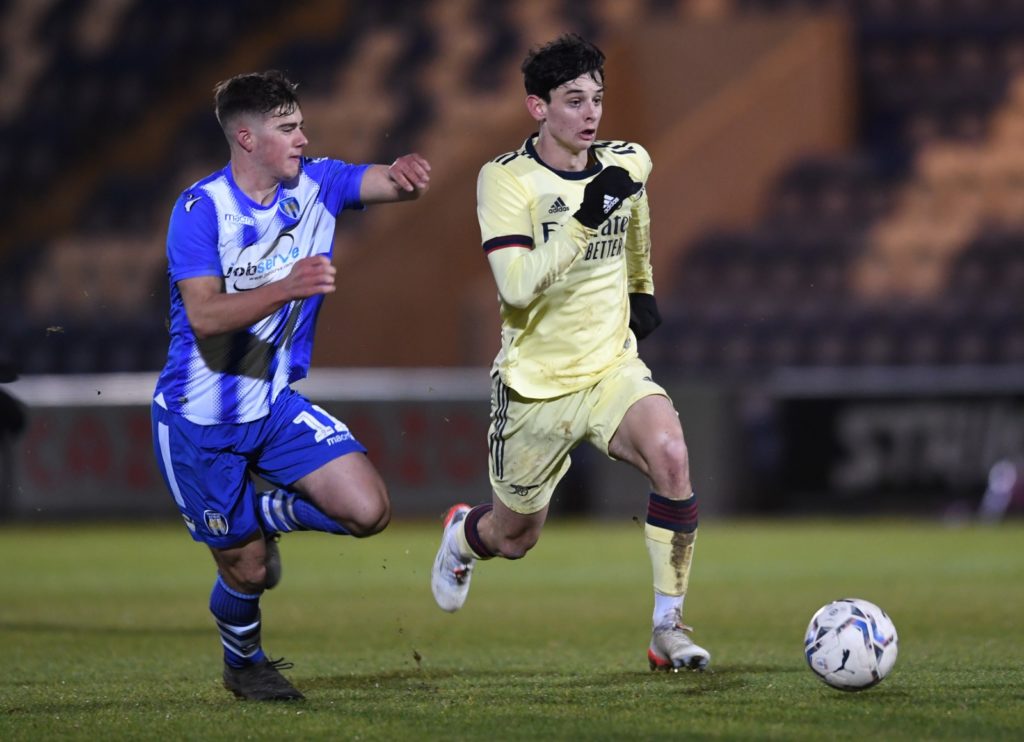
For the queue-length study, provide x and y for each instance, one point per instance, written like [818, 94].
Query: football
[851, 644]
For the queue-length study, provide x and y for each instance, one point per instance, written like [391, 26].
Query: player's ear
[538, 107]
[245, 138]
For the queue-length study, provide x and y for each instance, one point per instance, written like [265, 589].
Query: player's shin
[670, 533]
[238, 620]
[281, 511]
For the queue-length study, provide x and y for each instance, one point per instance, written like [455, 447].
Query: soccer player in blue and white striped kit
[249, 262]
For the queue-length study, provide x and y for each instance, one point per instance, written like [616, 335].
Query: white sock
[667, 608]
[455, 547]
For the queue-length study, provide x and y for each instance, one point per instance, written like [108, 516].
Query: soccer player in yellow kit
[566, 229]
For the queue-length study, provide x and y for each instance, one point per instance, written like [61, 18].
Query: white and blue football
[851, 644]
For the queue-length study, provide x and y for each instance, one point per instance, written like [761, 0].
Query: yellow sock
[671, 554]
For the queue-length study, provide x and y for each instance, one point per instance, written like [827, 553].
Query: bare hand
[309, 277]
[410, 173]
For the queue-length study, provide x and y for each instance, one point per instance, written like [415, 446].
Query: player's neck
[255, 184]
[558, 156]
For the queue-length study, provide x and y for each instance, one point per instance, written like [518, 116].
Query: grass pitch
[105, 634]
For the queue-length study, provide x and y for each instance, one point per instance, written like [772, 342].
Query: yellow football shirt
[563, 288]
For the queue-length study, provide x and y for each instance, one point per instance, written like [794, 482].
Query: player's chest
[551, 211]
[264, 250]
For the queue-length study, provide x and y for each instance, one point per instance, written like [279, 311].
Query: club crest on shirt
[289, 207]
[216, 523]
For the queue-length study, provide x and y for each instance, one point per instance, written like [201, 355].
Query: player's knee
[671, 465]
[249, 578]
[371, 519]
[672, 449]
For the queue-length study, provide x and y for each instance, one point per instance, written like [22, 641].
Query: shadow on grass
[123, 631]
[536, 687]
[685, 682]
[876, 693]
[528, 683]
[524, 685]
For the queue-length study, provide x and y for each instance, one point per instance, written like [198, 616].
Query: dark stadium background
[837, 200]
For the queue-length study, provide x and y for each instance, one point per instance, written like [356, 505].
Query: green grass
[105, 634]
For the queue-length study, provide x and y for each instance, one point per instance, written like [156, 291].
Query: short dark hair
[254, 92]
[561, 61]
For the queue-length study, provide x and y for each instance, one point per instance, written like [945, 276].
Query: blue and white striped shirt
[216, 230]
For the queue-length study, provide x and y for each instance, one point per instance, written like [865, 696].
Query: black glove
[644, 316]
[603, 194]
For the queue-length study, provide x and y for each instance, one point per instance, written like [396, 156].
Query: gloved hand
[644, 316]
[603, 194]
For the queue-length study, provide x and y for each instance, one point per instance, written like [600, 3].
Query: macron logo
[239, 219]
[190, 202]
[558, 206]
[610, 202]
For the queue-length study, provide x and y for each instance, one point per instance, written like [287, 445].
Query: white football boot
[449, 579]
[671, 649]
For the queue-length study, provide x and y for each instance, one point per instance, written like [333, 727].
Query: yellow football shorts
[530, 439]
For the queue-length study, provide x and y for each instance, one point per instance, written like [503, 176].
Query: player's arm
[211, 311]
[405, 179]
[644, 316]
[523, 270]
[639, 273]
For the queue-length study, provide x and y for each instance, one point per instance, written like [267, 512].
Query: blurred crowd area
[901, 247]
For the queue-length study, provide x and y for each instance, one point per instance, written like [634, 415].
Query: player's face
[574, 113]
[279, 144]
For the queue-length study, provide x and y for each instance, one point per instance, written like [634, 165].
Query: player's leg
[281, 511]
[350, 492]
[471, 534]
[235, 605]
[649, 436]
[500, 531]
[327, 483]
[530, 441]
[205, 470]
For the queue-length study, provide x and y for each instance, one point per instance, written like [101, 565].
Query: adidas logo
[610, 202]
[558, 206]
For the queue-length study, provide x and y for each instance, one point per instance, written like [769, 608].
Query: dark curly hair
[561, 61]
[254, 92]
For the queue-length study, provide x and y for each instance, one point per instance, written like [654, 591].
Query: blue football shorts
[208, 468]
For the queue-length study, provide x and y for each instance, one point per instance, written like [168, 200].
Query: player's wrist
[644, 317]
